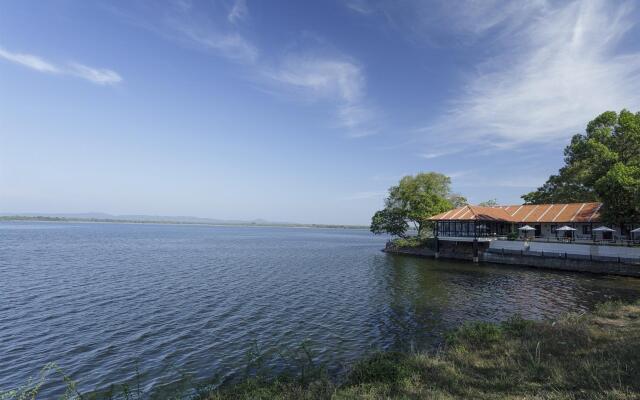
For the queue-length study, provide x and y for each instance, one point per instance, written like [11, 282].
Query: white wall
[570, 248]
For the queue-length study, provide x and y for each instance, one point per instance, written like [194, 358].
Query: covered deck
[481, 230]
[470, 223]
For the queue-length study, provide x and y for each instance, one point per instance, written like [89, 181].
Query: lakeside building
[480, 223]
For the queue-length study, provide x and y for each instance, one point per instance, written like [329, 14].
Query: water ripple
[102, 300]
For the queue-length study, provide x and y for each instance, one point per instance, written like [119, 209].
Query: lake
[102, 300]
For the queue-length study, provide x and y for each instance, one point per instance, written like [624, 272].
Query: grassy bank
[587, 356]
[590, 356]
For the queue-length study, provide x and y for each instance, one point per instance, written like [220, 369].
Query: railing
[471, 234]
[584, 240]
[570, 256]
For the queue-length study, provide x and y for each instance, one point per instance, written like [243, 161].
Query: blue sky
[297, 110]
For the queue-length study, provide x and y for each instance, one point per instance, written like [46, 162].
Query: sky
[297, 111]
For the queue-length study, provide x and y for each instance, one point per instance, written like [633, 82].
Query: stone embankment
[463, 251]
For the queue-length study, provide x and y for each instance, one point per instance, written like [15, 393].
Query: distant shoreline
[22, 218]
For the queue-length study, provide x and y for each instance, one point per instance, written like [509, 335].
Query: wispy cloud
[312, 72]
[458, 174]
[567, 68]
[359, 6]
[334, 78]
[437, 154]
[98, 76]
[439, 24]
[230, 45]
[29, 61]
[226, 41]
[238, 12]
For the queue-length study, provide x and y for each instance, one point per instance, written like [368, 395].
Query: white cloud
[231, 45]
[313, 72]
[332, 78]
[458, 174]
[208, 25]
[238, 12]
[437, 154]
[94, 75]
[561, 68]
[29, 61]
[359, 6]
[327, 77]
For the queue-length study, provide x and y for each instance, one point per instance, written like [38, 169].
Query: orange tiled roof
[529, 213]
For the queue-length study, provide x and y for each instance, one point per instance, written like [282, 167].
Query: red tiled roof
[529, 213]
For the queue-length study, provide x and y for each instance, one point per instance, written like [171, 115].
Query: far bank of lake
[101, 299]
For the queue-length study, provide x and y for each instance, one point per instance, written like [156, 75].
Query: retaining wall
[464, 251]
[564, 264]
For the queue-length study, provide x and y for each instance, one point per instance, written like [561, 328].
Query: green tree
[391, 221]
[457, 200]
[597, 164]
[415, 199]
[489, 203]
[620, 193]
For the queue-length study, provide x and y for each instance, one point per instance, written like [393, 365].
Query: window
[553, 228]
[586, 229]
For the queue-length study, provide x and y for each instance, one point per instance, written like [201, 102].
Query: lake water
[101, 300]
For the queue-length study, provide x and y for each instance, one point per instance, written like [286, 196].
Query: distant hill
[159, 219]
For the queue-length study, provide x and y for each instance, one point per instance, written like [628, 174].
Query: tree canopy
[603, 164]
[391, 221]
[489, 203]
[413, 200]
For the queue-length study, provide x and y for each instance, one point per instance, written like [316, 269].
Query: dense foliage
[391, 221]
[413, 200]
[603, 164]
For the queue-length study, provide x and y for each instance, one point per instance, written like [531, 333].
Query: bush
[415, 241]
[476, 334]
[517, 326]
[381, 367]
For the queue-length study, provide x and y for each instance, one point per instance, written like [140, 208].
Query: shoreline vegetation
[593, 355]
[160, 221]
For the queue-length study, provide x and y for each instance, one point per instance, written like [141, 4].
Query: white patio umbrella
[635, 232]
[526, 229]
[566, 228]
[603, 229]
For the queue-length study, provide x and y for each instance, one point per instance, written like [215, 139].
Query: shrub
[414, 241]
[381, 367]
[476, 334]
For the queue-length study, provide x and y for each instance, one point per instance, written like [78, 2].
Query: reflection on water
[99, 299]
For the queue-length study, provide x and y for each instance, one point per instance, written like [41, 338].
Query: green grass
[589, 356]
[413, 242]
[580, 356]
